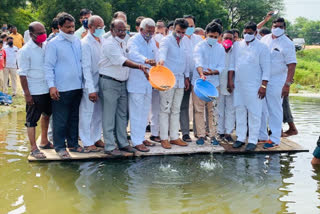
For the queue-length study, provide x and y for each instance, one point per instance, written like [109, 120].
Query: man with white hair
[90, 112]
[143, 50]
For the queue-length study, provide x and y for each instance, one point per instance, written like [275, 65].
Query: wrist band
[263, 86]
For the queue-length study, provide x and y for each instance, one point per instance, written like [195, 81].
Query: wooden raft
[285, 146]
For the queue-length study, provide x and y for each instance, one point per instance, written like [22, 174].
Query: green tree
[305, 28]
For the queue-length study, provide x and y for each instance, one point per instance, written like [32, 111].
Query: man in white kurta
[252, 70]
[226, 121]
[283, 62]
[143, 50]
[90, 111]
[172, 54]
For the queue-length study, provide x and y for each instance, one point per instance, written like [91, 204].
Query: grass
[18, 104]
[307, 76]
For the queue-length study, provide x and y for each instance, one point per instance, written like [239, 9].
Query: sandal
[49, 145]
[78, 149]
[63, 154]
[99, 143]
[92, 148]
[37, 154]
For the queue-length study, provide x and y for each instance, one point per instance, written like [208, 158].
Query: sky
[306, 8]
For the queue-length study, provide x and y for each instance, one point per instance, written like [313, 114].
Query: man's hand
[161, 62]
[93, 97]
[269, 15]
[285, 91]
[28, 99]
[262, 92]
[151, 62]
[145, 70]
[230, 86]
[203, 77]
[211, 72]
[54, 93]
[187, 84]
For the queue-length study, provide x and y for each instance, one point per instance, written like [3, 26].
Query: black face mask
[10, 43]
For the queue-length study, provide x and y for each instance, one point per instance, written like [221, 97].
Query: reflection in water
[279, 183]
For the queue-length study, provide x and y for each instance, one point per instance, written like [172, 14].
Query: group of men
[90, 82]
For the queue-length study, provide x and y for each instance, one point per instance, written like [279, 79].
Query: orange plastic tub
[161, 78]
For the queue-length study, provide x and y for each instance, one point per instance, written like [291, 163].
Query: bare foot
[291, 132]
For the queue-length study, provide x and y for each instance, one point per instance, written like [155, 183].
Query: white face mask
[259, 36]
[211, 41]
[248, 37]
[277, 31]
[69, 37]
[118, 39]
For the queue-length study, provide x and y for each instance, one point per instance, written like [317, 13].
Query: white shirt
[175, 58]
[212, 57]
[113, 57]
[91, 53]
[191, 44]
[139, 51]
[11, 53]
[31, 65]
[158, 37]
[282, 52]
[26, 36]
[223, 76]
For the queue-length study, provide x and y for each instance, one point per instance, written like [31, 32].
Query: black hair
[3, 35]
[13, 26]
[63, 17]
[265, 31]
[280, 19]
[30, 28]
[190, 17]
[217, 21]
[10, 37]
[55, 23]
[1, 42]
[116, 14]
[228, 31]
[84, 12]
[213, 27]
[139, 20]
[181, 22]
[234, 31]
[170, 23]
[113, 23]
[251, 25]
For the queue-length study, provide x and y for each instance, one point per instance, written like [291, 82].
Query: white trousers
[273, 114]
[170, 102]
[139, 107]
[155, 111]
[227, 117]
[90, 120]
[13, 76]
[244, 118]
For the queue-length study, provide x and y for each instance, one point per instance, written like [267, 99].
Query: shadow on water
[279, 183]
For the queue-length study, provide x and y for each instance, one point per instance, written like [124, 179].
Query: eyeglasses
[120, 31]
[102, 28]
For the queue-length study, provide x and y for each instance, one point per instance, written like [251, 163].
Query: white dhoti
[275, 113]
[226, 121]
[155, 111]
[139, 107]
[90, 120]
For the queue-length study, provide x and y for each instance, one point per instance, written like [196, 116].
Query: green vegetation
[307, 74]
[17, 105]
[305, 28]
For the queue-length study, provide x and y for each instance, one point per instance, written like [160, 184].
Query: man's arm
[49, 66]
[163, 50]
[24, 66]
[291, 61]
[265, 65]
[265, 20]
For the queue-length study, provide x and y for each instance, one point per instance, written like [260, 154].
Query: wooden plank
[285, 146]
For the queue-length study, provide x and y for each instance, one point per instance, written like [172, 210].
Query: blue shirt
[63, 64]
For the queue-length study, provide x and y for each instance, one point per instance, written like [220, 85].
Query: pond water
[224, 184]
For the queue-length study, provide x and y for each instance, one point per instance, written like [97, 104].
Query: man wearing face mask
[64, 77]
[226, 121]
[172, 54]
[252, 71]
[35, 88]
[283, 62]
[114, 72]
[90, 112]
[85, 14]
[4, 29]
[209, 60]
[11, 66]
[191, 40]
[143, 50]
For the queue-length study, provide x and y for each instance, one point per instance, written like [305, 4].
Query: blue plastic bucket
[205, 90]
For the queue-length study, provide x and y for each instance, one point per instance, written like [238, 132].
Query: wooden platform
[285, 146]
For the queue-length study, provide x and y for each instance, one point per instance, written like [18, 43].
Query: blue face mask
[190, 31]
[98, 32]
[211, 41]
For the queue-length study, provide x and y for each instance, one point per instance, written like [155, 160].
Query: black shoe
[128, 137]
[229, 139]
[148, 128]
[237, 144]
[128, 149]
[251, 147]
[155, 138]
[186, 138]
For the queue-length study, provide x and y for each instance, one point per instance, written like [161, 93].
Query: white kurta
[252, 65]
[190, 46]
[90, 114]
[139, 88]
[282, 52]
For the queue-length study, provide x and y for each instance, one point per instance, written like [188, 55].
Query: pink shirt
[2, 57]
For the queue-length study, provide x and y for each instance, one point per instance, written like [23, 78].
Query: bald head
[96, 26]
[95, 20]
[35, 26]
[118, 28]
